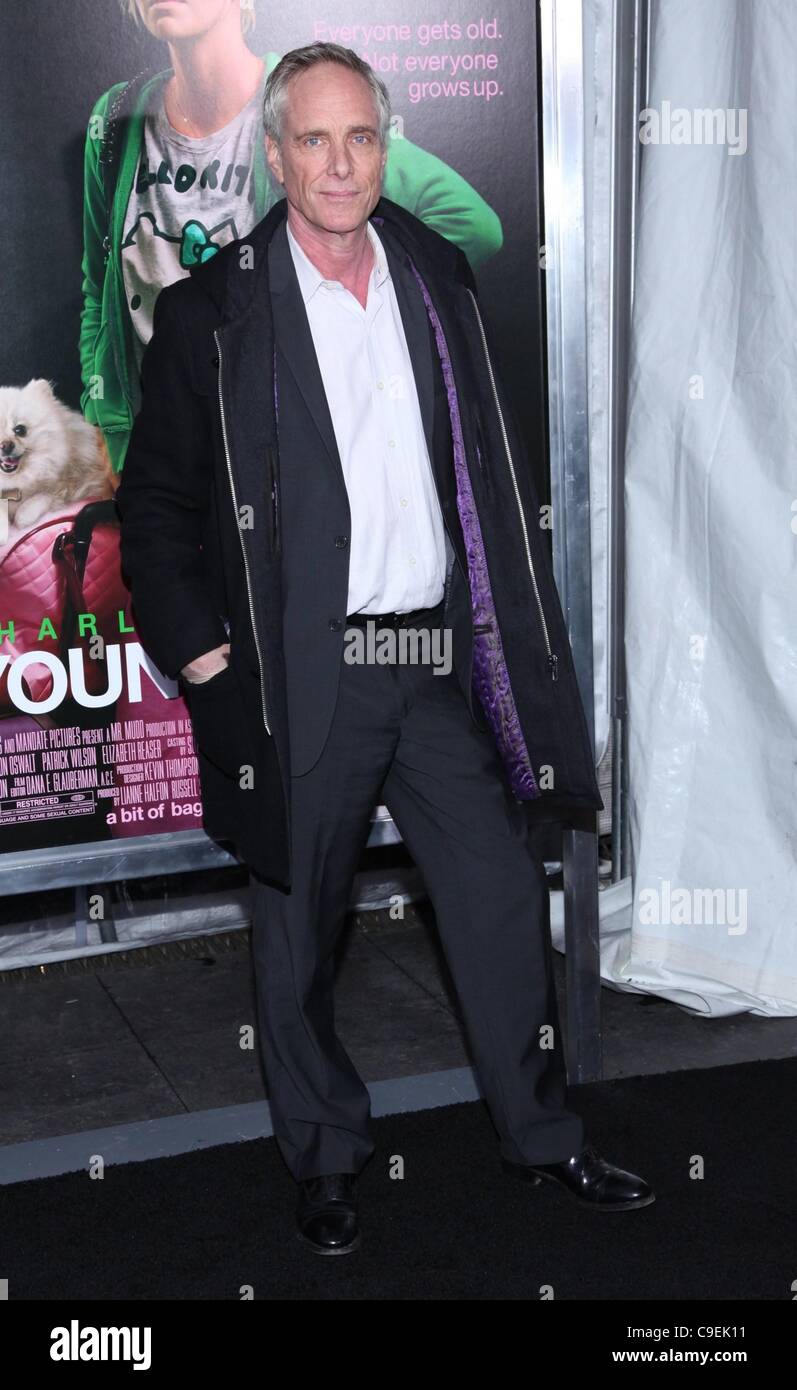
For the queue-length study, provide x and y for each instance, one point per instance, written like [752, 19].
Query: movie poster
[112, 193]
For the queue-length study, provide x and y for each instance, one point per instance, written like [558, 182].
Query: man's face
[329, 161]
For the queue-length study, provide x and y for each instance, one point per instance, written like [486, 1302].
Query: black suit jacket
[313, 505]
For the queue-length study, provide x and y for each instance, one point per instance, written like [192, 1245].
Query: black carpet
[203, 1225]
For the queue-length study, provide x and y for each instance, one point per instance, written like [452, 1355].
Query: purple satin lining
[490, 674]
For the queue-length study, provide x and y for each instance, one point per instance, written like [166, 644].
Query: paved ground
[115, 1046]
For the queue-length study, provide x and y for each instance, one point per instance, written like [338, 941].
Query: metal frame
[562, 67]
[629, 96]
[109, 861]
[563, 76]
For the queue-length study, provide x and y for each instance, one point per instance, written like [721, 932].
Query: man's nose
[340, 161]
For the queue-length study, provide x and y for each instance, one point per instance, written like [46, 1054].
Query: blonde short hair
[133, 8]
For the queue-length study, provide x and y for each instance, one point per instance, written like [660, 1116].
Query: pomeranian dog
[49, 455]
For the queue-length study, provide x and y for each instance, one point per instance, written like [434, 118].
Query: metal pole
[562, 63]
[629, 87]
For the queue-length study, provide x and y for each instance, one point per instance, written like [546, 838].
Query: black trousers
[402, 736]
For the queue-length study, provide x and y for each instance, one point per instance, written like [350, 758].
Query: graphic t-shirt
[190, 197]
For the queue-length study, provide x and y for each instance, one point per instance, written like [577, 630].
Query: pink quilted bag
[65, 565]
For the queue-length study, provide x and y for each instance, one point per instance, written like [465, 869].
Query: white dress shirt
[397, 549]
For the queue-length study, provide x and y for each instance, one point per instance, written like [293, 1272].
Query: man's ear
[274, 157]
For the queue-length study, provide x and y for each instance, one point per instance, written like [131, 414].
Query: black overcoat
[235, 528]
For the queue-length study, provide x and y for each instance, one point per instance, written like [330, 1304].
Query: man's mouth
[9, 465]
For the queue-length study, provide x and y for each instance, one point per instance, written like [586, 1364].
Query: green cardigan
[417, 180]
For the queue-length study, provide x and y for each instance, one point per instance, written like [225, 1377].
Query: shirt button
[412, 559]
[392, 443]
[341, 542]
[380, 385]
[404, 502]
[335, 624]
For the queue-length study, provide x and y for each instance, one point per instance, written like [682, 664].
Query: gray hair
[299, 60]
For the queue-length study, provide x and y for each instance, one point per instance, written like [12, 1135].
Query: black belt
[416, 618]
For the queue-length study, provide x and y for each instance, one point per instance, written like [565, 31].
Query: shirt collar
[310, 277]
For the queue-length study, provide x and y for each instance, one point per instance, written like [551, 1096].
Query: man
[324, 444]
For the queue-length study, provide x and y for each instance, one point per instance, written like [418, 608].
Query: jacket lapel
[295, 339]
[260, 309]
[428, 380]
[245, 350]
[416, 331]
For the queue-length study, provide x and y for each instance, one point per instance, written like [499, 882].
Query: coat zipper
[553, 661]
[243, 543]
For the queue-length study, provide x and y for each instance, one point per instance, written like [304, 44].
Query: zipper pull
[553, 666]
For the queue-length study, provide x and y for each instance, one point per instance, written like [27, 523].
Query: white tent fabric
[711, 635]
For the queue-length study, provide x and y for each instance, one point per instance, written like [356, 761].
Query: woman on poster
[175, 168]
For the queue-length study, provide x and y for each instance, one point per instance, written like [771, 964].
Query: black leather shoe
[326, 1213]
[590, 1180]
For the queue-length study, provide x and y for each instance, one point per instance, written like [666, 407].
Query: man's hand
[208, 665]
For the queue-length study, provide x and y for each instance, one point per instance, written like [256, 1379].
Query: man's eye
[311, 139]
[363, 139]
